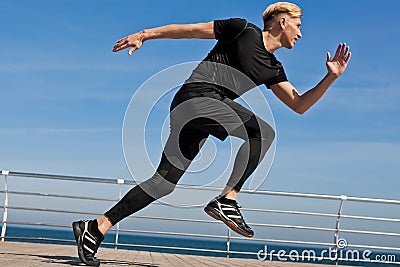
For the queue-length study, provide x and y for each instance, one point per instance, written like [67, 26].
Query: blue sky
[64, 93]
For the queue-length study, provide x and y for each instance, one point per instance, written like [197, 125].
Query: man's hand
[134, 40]
[301, 103]
[338, 64]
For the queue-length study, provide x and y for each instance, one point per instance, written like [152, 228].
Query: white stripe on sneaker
[91, 239]
[87, 248]
[229, 209]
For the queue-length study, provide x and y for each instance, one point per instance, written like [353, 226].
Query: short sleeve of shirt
[279, 77]
[227, 30]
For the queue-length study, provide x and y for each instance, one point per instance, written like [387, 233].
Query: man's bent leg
[258, 138]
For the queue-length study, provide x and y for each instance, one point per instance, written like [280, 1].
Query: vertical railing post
[120, 182]
[337, 228]
[228, 243]
[5, 214]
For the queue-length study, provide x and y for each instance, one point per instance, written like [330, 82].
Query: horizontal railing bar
[58, 196]
[294, 227]
[284, 241]
[70, 178]
[63, 177]
[37, 224]
[262, 192]
[72, 197]
[368, 232]
[51, 210]
[374, 200]
[332, 197]
[97, 214]
[40, 238]
[172, 219]
[370, 218]
[372, 247]
[292, 212]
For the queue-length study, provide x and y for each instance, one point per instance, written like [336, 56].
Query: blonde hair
[272, 12]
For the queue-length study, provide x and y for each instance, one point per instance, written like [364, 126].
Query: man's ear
[282, 23]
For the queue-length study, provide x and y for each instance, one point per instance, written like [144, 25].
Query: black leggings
[258, 136]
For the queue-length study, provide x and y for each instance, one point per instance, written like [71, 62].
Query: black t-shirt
[241, 47]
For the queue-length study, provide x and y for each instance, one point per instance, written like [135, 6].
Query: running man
[242, 58]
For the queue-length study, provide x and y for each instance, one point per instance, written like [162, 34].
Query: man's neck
[271, 42]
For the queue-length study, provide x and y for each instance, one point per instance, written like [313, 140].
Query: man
[241, 59]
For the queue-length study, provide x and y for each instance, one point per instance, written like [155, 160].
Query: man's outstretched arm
[173, 31]
[288, 94]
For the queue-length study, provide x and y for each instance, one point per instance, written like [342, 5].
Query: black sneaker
[229, 213]
[87, 243]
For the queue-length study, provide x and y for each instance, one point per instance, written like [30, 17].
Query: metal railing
[335, 231]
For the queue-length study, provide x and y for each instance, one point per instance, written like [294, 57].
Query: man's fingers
[120, 47]
[117, 48]
[328, 56]
[348, 57]
[337, 53]
[122, 40]
[342, 50]
[131, 51]
[346, 52]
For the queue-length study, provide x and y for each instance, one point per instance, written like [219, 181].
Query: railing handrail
[336, 230]
[197, 187]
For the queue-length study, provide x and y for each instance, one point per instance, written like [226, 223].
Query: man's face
[291, 31]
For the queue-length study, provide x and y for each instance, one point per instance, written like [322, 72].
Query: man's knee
[257, 128]
[267, 133]
[157, 186]
[264, 132]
